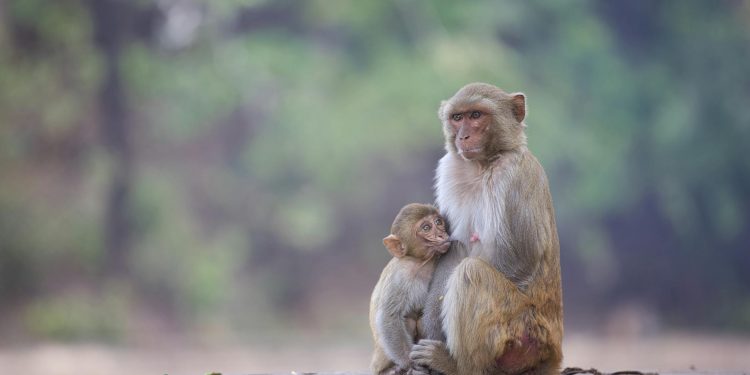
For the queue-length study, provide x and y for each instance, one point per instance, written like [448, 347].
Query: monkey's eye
[438, 221]
[475, 114]
[426, 227]
[457, 117]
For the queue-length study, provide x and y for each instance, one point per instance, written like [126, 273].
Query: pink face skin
[431, 232]
[470, 126]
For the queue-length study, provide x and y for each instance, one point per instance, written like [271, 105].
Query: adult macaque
[501, 306]
[418, 234]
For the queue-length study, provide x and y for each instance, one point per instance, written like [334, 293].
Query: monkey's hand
[433, 354]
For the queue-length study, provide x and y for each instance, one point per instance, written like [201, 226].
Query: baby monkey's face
[432, 235]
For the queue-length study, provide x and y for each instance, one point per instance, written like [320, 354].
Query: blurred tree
[236, 163]
[109, 20]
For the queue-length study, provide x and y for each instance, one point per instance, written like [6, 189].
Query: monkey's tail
[477, 308]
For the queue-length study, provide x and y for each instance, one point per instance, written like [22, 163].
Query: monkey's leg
[483, 314]
[380, 363]
[472, 318]
[418, 335]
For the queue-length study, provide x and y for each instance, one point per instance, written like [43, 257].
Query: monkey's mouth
[442, 247]
[469, 153]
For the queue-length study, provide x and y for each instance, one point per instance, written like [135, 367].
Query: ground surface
[670, 353]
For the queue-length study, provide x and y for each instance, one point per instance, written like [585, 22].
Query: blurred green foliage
[271, 143]
[75, 315]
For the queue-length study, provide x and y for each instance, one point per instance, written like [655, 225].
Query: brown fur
[502, 307]
[398, 298]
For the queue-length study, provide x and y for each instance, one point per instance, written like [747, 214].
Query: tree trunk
[109, 26]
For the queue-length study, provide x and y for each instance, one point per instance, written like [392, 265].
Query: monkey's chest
[476, 215]
[473, 199]
[416, 293]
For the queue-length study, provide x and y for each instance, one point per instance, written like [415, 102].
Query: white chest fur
[472, 199]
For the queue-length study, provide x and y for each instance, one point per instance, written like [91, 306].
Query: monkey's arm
[390, 321]
[530, 220]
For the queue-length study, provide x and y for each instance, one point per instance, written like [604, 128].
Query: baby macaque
[418, 236]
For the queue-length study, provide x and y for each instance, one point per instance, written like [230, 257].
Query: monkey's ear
[518, 99]
[394, 246]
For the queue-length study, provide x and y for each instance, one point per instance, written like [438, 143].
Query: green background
[225, 171]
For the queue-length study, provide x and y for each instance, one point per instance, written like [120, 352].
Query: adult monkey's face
[481, 120]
